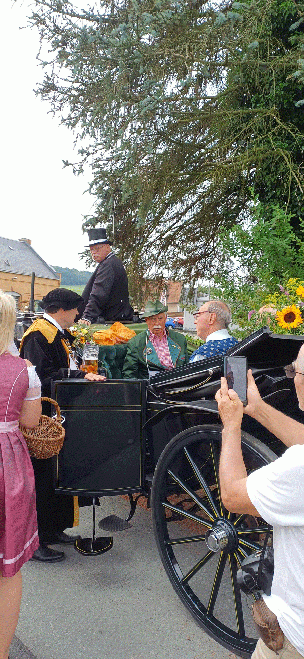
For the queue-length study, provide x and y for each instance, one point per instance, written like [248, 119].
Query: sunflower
[300, 291]
[289, 317]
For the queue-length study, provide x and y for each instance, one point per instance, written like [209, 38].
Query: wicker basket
[46, 439]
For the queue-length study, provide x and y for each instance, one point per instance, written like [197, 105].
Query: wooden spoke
[185, 513]
[202, 482]
[191, 494]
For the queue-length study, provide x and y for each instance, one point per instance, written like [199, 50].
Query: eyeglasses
[197, 313]
[290, 370]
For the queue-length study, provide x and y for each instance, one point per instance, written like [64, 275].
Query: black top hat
[97, 236]
[61, 298]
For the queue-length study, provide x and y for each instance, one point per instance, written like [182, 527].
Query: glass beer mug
[90, 359]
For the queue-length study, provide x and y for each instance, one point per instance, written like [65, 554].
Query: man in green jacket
[156, 349]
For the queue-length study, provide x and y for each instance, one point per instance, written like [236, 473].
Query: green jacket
[141, 353]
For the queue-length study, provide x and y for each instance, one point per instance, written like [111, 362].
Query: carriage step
[114, 523]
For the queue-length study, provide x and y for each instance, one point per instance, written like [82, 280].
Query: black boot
[47, 555]
[64, 538]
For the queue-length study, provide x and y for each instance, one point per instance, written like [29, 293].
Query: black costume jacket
[106, 294]
[44, 346]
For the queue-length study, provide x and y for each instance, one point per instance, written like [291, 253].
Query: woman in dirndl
[20, 401]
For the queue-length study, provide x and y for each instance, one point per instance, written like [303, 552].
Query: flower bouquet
[283, 311]
[83, 335]
[117, 333]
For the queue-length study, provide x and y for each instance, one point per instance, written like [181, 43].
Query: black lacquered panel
[264, 349]
[188, 373]
[112, 393]
[102, 451]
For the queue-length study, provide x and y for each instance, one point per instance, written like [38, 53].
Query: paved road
[119, 605]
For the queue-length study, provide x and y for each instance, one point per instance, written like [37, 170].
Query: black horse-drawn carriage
[161, 439]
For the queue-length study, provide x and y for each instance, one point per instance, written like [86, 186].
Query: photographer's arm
[288, 430]
[232, 471]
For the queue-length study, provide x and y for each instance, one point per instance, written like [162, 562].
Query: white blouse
[34, 390]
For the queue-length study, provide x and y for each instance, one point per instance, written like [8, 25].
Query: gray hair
[222, 312]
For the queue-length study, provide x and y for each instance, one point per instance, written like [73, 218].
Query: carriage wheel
[186, 507]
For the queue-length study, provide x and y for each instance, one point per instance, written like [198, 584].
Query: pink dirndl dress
[18, 519]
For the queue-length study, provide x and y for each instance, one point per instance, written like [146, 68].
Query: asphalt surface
[119, 605]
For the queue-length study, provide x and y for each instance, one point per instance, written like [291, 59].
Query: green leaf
[234, 16]
[295, 26]
[252, 45]
[240, 5]
[220, 19]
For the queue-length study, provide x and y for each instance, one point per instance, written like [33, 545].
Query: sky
[39, 199]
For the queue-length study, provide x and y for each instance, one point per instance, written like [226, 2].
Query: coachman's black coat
[106, 295]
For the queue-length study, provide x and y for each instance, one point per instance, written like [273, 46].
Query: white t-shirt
[277, 492]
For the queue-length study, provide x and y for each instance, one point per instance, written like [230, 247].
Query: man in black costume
[106, 295]
[48, 343]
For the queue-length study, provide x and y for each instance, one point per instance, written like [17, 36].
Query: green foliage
[263, 250]
[72, 276]
[258, 256]
[180, 108]
[282, 310]
[193, 342]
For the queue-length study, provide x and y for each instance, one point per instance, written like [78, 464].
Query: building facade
[18, 262]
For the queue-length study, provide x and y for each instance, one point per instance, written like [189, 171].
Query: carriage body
[117, 430]
[121, 432]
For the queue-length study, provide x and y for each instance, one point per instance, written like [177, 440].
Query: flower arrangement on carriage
[89, 341]
[116, 334]
[282, 311]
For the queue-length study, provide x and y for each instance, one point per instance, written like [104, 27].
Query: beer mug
[90, 359]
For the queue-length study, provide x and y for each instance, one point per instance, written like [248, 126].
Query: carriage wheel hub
[222, 537]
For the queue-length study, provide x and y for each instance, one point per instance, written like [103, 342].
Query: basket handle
[53, 402]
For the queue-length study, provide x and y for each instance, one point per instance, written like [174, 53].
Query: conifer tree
[184, 109]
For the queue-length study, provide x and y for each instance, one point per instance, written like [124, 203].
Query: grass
[76, 289]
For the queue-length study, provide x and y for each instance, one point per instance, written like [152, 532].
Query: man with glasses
[274, 492]
[212, 321]
[106, 295]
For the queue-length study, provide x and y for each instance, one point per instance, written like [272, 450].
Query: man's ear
[212, 318]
